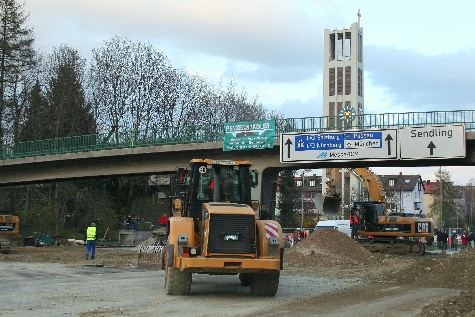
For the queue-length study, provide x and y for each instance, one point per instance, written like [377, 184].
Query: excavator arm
[371, 182]
[330, 201]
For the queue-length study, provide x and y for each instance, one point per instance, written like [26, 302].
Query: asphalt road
[29, 289]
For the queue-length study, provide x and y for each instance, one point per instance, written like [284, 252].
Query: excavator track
[403, 246]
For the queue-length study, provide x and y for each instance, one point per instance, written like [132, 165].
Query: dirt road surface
[328, 274]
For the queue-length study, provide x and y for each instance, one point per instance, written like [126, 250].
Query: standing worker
[91, 241]
[353, 222]
[228, 187]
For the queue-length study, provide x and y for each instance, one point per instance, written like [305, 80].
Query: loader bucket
[330, 205]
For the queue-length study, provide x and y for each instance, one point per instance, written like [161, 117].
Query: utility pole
[471, 216]
[303, 196]
[440, 196]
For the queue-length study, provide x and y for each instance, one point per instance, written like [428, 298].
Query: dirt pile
[329, 251]
[329, 248]
[72, 255]
[462, 305]
[455, 271]
[451, 271]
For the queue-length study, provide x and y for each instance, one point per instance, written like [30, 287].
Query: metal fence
[215, 132]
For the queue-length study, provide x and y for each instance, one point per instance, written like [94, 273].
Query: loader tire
[265, 284]
[245, 279]
[178, 283]
[163, 258]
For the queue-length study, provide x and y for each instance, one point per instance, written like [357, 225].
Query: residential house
[430, 188]
[312, 185]
[404, 193]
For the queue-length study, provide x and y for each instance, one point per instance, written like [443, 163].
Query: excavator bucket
[329, 205]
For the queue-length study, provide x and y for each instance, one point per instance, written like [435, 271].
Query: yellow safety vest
[91, 233]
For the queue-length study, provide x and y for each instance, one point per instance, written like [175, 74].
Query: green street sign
[252, 135]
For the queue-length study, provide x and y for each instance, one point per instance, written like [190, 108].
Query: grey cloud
[275, 74]
[295, 108]
[283, 42]
[441, 82]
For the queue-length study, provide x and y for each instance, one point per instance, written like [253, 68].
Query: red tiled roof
[430, 187]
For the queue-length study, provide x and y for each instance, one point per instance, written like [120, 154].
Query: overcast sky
[418, 55]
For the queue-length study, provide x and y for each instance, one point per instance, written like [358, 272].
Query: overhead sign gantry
[432, 142]
[405, 143]
[350, 145]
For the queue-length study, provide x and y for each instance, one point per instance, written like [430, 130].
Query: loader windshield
[215, 183]
[230, 183]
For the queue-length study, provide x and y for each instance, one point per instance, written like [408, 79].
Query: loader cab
[217, 181]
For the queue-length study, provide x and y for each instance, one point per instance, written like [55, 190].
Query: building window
[360, 48]
[331, 81]
[313, 183]
[339, 81]
[339, 47]
[347, 45]
[299, 183]
[347, 80]
[391, 182]
[360, 82]
[332, 47]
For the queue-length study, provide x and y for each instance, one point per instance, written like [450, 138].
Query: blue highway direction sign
[349, 145]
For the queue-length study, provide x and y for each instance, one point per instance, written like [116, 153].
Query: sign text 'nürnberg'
[350, 145]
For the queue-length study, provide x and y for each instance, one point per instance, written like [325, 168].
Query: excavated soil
[325, 253]
[72, 255]
[332, 253]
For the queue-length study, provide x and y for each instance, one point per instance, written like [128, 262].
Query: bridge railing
[215, 132]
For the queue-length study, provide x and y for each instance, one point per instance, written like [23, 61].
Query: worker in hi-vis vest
[91, 241]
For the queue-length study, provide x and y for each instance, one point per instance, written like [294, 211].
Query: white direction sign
[349, 145]
[432, 142]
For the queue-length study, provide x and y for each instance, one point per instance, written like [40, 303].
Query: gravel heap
[328, 248]
[462, 305]
[454, 271]
[331, 249]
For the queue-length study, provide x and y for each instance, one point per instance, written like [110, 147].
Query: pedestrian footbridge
[159, 151]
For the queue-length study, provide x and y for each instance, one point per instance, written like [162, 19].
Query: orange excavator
[381, 232]
[377, 230]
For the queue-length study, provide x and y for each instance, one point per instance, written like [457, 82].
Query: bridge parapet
[215, 132]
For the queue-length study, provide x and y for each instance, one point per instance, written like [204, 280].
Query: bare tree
[126, 80]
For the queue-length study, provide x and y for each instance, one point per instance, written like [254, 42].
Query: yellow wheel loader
[9, 231]
[217, 231]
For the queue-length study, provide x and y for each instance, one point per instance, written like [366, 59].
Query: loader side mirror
[254, 179]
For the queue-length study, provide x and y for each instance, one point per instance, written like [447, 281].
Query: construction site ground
[327, 274]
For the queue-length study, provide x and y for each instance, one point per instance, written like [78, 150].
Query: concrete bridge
[163, 159]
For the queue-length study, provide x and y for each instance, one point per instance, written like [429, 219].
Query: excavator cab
[367, 213]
